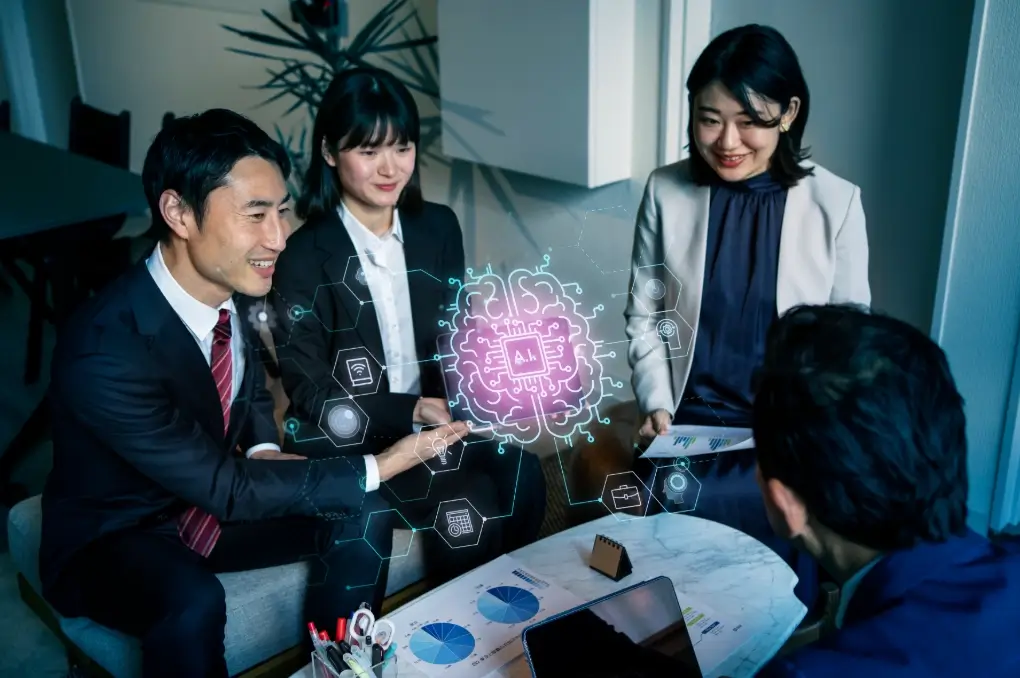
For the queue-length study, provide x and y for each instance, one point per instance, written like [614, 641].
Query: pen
[335, 658]
[316, 643]
[359, 671]
[341, 629]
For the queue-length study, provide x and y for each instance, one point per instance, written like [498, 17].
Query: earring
[784, 127]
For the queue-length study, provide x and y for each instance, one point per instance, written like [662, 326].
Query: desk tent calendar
[472, 626]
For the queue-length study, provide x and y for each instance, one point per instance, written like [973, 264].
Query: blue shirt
[738, 300]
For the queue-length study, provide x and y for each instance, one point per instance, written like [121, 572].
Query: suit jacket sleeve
[306, 363]
[112, 394]
[650, 374]
[850, 283]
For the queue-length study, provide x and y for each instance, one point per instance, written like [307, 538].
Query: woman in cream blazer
[725, 241]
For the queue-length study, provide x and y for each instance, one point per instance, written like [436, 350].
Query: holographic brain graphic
[520, 356]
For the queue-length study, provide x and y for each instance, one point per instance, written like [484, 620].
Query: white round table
[735, 575]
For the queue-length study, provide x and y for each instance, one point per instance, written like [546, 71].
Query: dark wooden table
[46, 188]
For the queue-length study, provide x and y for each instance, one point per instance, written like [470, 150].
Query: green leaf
[405, 44]
[265, 39]
[258, 55]
[433, 51]
[375, 27]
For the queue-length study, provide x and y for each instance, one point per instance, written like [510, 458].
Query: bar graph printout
[690, 441]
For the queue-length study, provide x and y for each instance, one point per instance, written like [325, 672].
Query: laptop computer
[637, 632]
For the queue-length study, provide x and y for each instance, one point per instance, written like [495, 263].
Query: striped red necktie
[198, 529]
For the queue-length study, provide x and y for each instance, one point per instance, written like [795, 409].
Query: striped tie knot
[222, 330]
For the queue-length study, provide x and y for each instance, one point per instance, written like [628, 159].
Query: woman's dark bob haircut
[362, 107]
[752, 60]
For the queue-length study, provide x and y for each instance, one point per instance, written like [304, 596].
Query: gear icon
[262, 314]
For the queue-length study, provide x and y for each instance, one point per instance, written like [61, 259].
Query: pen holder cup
[388, 668]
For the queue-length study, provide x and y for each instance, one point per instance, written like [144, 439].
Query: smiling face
[243, 230]
[373, 177]
[731, 142]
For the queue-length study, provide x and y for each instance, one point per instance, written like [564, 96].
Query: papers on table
[715, 638]
[690, 441]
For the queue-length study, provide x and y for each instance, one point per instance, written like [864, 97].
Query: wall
[4, 92]
[885, 99]
[977, 319]
[151, 58]
[49, 36]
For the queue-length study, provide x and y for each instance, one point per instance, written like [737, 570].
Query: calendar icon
[458, 523]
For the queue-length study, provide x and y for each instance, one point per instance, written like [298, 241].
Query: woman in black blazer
[359, 293]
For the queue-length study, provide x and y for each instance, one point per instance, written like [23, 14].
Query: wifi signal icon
[359, 371]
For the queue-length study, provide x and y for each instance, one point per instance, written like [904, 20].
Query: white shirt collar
[363, 238]
[198, 317]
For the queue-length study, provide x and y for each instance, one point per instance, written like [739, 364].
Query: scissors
[365, 630]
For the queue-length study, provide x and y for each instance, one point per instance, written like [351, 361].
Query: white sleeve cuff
[264, 446]
[371, 473]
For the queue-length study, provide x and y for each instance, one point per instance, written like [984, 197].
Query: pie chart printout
[508, 605]
[442, 643]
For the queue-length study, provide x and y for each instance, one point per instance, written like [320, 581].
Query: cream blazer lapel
[823, 257]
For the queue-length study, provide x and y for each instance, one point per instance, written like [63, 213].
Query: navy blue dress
[738, 305]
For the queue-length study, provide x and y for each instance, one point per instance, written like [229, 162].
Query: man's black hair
[193, 155]
[859, 415]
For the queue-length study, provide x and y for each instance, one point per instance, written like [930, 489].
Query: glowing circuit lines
[522, 357]
[664, 331]
[599, 237]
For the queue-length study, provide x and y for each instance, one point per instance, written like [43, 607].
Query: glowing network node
[262, 314]
[296, 312]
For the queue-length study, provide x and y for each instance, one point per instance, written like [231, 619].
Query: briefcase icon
[626, 496]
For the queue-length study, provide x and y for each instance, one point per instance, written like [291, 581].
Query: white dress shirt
[382, 260]
[201, 320]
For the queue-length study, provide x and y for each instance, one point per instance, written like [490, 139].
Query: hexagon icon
[676, 489]
[459, 523]
[402, 519]
[600, 238]
[356, 280]
[343, 422]
[650, 288]
[626, 496]
[670, 330]
[357, 371]
[446, 456]
[345, 299]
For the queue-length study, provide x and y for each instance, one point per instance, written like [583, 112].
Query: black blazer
[317, 272]
[138, 433]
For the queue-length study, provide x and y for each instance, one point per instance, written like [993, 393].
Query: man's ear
[175, 213]
[787, 508]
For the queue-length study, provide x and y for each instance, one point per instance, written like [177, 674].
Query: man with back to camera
[862, 461]
[154, 387]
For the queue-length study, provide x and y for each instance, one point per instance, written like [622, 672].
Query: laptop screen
[633, 633]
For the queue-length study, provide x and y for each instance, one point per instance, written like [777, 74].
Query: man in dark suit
[166, 464]
[862, 461]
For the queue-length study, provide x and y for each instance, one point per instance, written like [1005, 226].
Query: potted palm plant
[395, 38]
